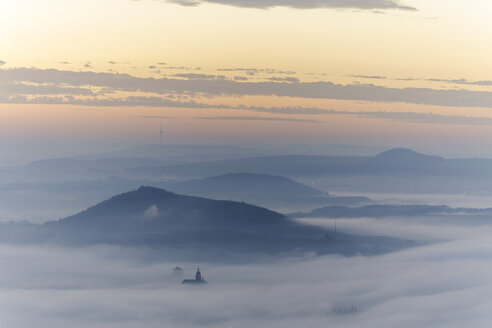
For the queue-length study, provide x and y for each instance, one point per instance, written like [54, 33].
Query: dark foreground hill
[193, 227]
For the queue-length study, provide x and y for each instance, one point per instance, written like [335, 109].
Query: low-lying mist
[441, 284]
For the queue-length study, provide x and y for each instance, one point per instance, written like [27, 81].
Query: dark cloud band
[69, 81]
[304, 4]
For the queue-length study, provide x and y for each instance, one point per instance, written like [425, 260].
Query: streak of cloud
[194, 76]
[377, 77]
[486, 83]
[257, 118]
[374, 5]
[219, 87]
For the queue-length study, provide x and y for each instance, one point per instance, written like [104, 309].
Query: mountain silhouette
[395, 170]
[266, 190]
[395, 161]
[247, 184]
[204, 228]
[406, 155]
[150, 209]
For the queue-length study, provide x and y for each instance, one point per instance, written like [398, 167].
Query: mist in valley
[442, 284]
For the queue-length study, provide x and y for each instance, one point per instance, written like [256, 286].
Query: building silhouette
[198, 279]
[178, 271]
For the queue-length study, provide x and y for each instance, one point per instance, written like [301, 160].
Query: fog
[425, 229]
[440, 284]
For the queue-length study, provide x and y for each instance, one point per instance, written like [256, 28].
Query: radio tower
[160, 136]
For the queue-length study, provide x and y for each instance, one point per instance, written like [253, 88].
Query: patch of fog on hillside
[415, 228]
[444, 284]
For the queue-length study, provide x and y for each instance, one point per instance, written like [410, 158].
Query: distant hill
[395, 160]
[406, 155]
[266, 190]
[240, 185]
[198, 228]
[397, 170]
[380, 211]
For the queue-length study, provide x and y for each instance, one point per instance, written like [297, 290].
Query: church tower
[198, 279]
[198, 275]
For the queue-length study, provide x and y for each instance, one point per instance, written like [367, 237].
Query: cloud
[253, 71]
[183, 68]
[428, 118]
[377, 77]
[373, 5]
[287, 110]
[194, 76]
[61, 93]
[159, 117]
[11, 93]
[121, 102]
[14, 89]
[284, 79]
[152, 212]
[463, 81]
[412, 117]
[113, 82]
[2, 62]
[257, 118]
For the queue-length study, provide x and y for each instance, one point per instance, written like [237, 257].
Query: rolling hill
[272, 191]
[193, 227]
[396, 170]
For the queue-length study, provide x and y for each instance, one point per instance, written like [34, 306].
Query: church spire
[198, 278]
[198, 275]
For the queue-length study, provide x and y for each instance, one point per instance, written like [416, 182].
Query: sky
[385, 73]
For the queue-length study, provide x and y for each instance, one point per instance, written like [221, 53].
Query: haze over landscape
[323, 163]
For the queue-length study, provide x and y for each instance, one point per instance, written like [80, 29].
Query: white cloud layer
[446, 284]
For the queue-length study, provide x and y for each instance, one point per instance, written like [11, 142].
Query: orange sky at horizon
[141, 125]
